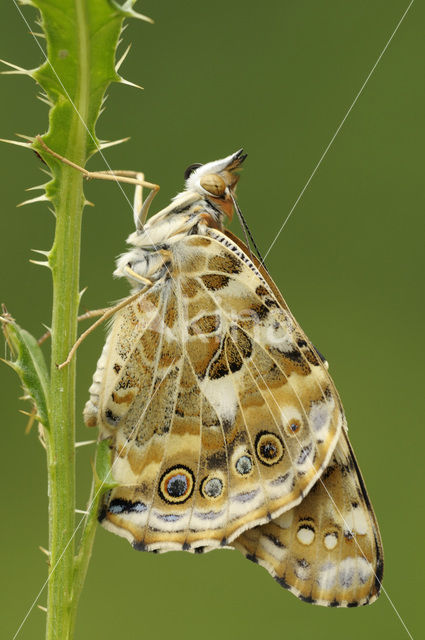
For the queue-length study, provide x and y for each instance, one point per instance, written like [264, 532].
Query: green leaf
[81, 38]
[29, 364]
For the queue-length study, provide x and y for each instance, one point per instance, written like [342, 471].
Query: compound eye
[191, 168]
[214, 184]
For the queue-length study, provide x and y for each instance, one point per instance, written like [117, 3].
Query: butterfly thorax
[149, 256]
[206, 202]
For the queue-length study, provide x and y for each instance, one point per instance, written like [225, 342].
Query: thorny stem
[64, 260]
[82, 39]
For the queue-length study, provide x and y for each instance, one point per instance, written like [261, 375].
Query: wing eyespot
[244, 465]
[293, 427]
[176, 484]
[269, 448]
[211, 487]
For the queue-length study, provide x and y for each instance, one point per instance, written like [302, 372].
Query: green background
[276, 77]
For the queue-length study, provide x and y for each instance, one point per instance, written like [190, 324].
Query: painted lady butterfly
[226, 428]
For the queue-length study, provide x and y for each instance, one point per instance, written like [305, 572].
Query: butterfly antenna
[247, 232]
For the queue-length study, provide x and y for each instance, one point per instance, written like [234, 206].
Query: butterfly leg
[128, 177]
[140, 208]
[137, 276]
[138, 202]
[107, 314]
[93, 313]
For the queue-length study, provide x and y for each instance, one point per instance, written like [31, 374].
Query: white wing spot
[360, 523]
[327, 575]
[331, 540]
[305, 535]
[356, 521]
[347, 569]
[365, 570]
[320, 415]
[221, 395]
[302, 569]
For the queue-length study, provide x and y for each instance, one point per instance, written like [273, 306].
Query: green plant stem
[64, 260]
[82, 37]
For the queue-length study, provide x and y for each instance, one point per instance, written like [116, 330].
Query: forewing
[275, 401]
[327, 550]
[221, 414]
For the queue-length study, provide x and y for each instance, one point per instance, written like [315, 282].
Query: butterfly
[225, 426]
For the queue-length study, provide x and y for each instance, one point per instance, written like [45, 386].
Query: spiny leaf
[129, 83]
[16, 142]
[16, 69]
[29, 364]
[81, 42]
[42, 198]
[123, 57]
[127, 10]
[68, 81]
[104, 144]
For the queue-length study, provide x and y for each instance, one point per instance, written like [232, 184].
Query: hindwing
[327, 550]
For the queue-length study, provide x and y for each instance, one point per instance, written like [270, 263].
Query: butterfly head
[216, 181]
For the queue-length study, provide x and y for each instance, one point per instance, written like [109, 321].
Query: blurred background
[275, 77]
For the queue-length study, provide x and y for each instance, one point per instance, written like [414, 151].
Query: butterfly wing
[327, 550]
[221, 414]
